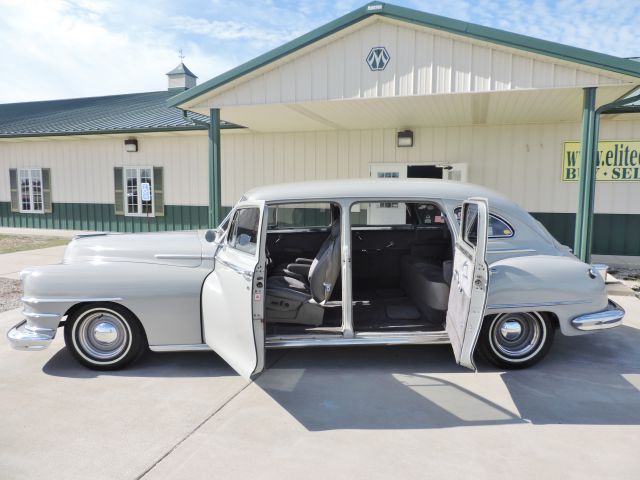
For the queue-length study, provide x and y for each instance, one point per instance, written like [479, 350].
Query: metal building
[383, 91]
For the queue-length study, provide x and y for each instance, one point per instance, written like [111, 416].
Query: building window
[31, 195]
[138, 196]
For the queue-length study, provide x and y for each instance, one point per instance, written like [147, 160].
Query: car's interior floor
[390, 309]
[374, 310]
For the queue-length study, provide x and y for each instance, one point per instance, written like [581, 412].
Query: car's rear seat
[426, 284]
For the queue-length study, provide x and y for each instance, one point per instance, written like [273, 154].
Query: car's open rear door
[233, 294]
[468, 294]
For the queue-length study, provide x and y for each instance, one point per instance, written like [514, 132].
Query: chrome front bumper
[27, 337]
[609, 318]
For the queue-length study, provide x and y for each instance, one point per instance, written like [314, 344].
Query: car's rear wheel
[516, 340]
[104, 336]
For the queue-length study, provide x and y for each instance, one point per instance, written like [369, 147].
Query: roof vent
[181, 78]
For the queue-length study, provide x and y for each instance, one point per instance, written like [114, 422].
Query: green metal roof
[478, 32]
[130, 113]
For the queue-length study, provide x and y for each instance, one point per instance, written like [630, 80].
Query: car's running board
[328, 340]
[370, 338]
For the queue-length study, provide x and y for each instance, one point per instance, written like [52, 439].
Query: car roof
[375, 189]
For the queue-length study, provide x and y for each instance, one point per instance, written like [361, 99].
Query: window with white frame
[31, 197]
[138, 194]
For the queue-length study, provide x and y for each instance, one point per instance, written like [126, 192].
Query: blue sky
[73, 48]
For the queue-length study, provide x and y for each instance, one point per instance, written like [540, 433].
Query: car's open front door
[233, 294]
[468, 294]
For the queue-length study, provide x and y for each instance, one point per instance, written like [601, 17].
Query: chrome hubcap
[103, 334]
[517, 336]
[510, 330]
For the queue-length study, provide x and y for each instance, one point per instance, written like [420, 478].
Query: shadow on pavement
[587, 380]
[581, 382]
[152, 364]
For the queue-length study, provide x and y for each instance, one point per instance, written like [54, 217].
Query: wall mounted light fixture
[131, 145]
[405, 138]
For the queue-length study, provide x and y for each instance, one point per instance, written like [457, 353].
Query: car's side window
[243, 232]
[299, 215]
[498, 228]
[470, 224]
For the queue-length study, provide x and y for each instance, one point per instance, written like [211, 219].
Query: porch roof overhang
[453, 109]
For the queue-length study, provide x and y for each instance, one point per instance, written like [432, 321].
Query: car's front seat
[292, 300]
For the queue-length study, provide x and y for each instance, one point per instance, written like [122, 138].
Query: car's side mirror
[212, 235]
[244, 239]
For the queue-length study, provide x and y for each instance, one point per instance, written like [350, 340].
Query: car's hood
[171, 248]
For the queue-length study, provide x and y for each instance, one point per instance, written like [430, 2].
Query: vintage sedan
[333, 263]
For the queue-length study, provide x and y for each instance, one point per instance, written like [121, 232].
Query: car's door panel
[232, 295]
[468, 293]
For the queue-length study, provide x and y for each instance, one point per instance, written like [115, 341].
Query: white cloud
[227, 30]
[59, 49]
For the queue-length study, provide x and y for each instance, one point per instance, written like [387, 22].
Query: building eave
[115, 132]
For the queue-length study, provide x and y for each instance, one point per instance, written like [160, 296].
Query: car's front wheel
[104, 336]
[516, 340]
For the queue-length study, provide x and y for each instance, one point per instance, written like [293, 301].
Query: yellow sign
[617, 161]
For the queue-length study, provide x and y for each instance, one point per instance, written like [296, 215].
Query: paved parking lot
[404, 412]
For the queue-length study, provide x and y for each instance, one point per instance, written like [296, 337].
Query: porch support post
[215, 183]
[588, 154]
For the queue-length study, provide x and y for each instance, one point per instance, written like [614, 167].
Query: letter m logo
[378, 58]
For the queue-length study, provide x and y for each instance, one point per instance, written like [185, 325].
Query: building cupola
[181, 78]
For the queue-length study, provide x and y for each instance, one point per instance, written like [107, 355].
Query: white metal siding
[423, 62]
[522, 161]
[82, 169]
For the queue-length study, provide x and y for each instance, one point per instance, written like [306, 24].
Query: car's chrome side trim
[177, 256]
[33, 300]
[496, 306]
[609, 318]
[192, 347]
[370, 338]
[328, 340]
[37, 316]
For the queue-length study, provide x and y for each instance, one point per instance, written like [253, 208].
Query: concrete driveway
[402, 412]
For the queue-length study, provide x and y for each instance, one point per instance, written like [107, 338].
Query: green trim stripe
[416, 17]
[613, 234]
[101, 217]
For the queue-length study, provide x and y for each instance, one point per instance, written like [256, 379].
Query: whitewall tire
[104, 336]
[516, 340]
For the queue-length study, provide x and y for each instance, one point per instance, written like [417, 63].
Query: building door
[387, 213]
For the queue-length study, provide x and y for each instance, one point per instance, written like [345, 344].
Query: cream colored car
[334, 263]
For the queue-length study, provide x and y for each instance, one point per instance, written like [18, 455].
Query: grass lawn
[17, 243]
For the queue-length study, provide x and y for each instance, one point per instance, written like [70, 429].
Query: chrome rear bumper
[609, 318]
[25, 337]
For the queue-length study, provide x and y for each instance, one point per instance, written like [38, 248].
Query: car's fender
[165, 298]
[562, 285]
